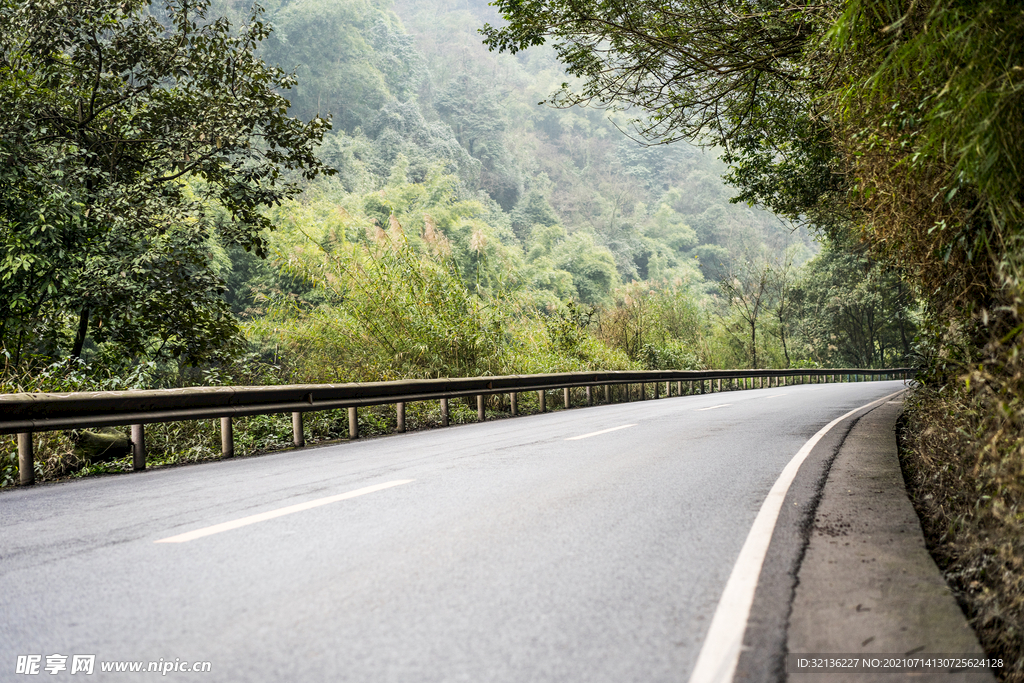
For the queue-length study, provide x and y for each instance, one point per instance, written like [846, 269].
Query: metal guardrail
[23, 414]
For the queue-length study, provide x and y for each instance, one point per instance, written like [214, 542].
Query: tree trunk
[83, 329]
[753, 344]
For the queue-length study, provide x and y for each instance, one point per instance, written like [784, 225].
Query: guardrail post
[227, 438]
[643, 391]
[719, 385]
[298, 438]
[480, 414]
[514, 401]
[679, 388]
[400, 417]
[138, 447]
[607, 393]
[565, 397]
[590, 397]
[26, 460]
[542, 401]
[353, 423]
[657, 390]
[444, 412]
[702, 386]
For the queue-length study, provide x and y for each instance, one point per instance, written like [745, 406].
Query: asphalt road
[511, 552]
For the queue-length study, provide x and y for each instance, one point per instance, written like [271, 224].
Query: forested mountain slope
[565, 205]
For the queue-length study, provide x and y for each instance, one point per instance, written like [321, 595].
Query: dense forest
[213, 192]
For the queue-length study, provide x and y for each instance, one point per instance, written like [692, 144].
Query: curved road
[583, 545]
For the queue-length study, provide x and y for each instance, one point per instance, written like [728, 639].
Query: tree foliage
[129, 144]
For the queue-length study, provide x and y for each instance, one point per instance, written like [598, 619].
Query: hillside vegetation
[350, 190]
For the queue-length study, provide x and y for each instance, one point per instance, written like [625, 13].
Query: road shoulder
[867, 584]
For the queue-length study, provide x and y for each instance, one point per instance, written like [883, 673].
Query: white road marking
[774, 395]
[280, 512]
[721, 650]
[603, 431]
[724, 405]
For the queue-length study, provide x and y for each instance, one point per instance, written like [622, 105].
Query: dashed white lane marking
[721, 650]
[280, 512]
[774, 395]
[603, 431]
[724, 405]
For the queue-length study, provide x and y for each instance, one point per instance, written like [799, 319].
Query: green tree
[853, 311]
[748, 293]
[131, 147]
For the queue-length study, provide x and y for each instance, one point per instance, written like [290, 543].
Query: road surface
[587, 545]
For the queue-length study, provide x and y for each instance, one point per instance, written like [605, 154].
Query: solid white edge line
[280, 512]
[721, 650]
[723, 405]
[603, 431]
